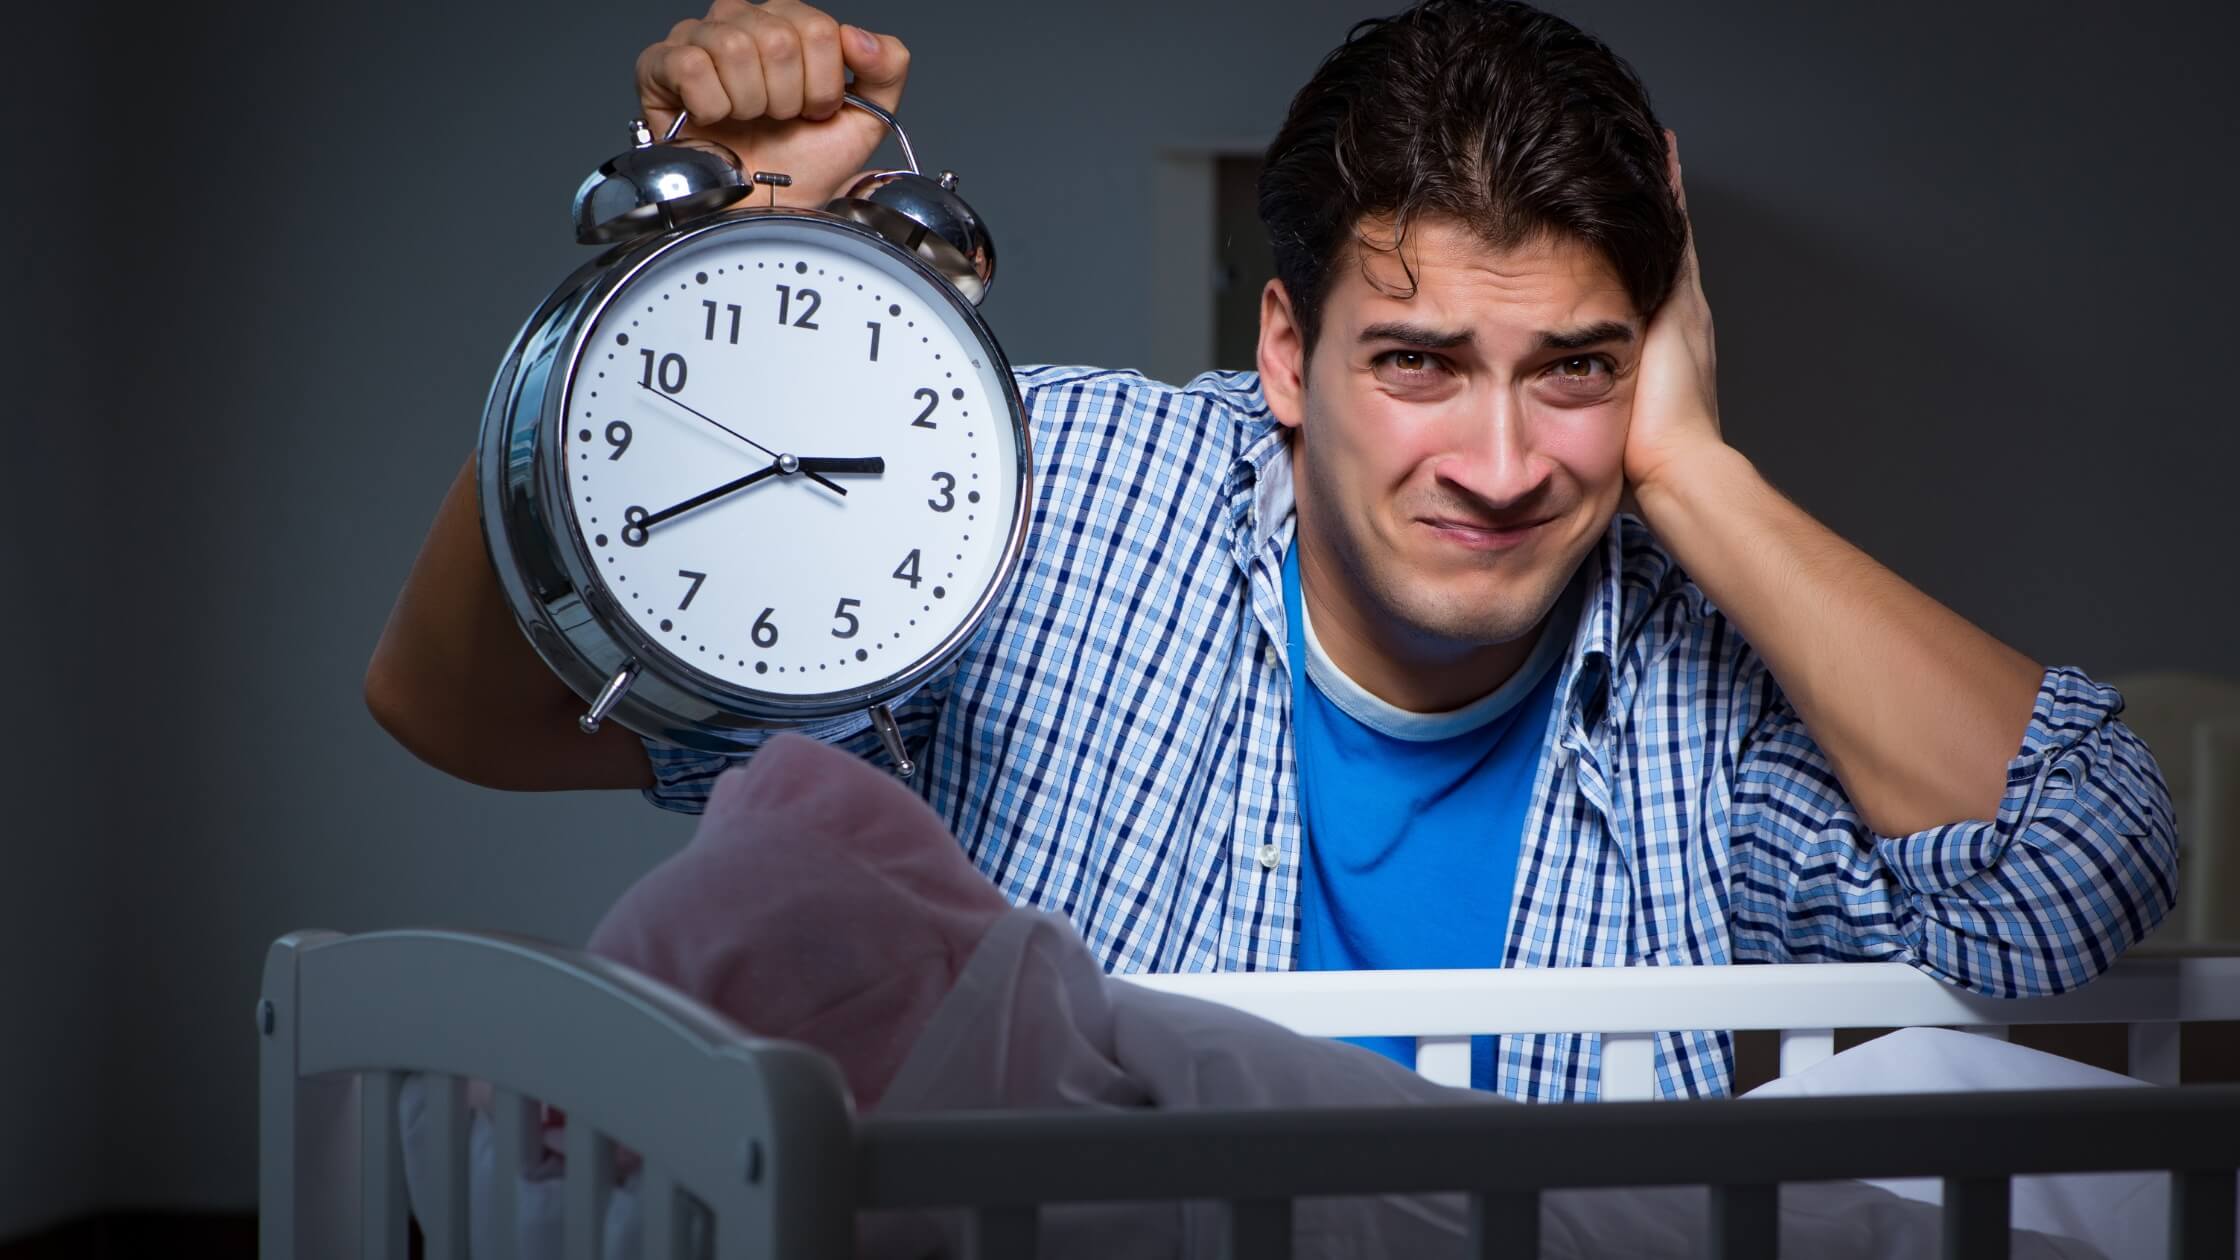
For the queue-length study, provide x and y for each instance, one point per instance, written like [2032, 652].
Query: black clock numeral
[618, 437]
[710, 334]
[634, 526]
[663, 370]
[873, 325]
[692, 590]
[806, 319]
[948, 497]
[842, 614]
[908, 569]
[765, 634]
[932, 400]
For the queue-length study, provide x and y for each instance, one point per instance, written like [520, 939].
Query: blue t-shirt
[1412, 820]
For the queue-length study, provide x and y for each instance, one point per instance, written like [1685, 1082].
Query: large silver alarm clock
[756, 467]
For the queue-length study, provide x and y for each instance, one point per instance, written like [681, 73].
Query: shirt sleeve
[2080, 862]
[684, 777]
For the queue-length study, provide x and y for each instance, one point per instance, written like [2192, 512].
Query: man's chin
[1478, 614]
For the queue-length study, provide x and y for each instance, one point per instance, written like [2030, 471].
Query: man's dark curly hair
[1505, 119]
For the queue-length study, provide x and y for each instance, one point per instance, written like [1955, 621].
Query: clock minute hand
[729, 487]
[679, 403]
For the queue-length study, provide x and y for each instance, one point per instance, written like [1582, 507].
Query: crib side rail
[1670, 999]
[343, 1018]
[1259, 1162]
[1627, 1006]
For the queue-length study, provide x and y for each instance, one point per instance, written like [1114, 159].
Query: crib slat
[2201, 1208]
[1504, 1224]
[664, 1215]
[1802, 1048]
[1257, 1229]
[518, 1145]
[381, 1168]
[1629, 1066]
[590, 1175]
[1746, 1222]
[1975, 1218]
[2154, 1051]
[444, 1221]
[1003, 1231]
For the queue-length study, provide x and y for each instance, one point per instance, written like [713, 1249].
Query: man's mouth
[1482, 535]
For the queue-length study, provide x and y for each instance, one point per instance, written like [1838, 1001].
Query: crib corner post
[305, 1201]
[797, 1194]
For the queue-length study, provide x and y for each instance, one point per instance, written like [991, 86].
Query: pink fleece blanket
[820, 901]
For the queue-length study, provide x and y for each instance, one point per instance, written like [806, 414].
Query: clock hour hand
[673, 400]
[872, 465]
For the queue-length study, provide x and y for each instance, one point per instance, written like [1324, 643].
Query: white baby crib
[752, 1150]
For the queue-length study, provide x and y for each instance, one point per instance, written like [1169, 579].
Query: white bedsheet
[1033, 1023]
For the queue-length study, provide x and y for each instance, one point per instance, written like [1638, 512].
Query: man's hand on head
[1676, 398]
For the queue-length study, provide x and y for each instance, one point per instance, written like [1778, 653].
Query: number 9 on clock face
[793, 462]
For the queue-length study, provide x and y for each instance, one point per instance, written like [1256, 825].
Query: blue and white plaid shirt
[1116, 746]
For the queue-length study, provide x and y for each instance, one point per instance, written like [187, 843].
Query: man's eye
[1584, 371]
[1409, 362]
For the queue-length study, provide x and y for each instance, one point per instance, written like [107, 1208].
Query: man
[1353, 662]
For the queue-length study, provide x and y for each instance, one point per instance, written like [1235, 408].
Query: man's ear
[1283, 357]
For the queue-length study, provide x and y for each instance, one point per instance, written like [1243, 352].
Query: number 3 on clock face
[793, 461]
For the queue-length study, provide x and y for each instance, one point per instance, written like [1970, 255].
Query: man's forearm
[1918, 711]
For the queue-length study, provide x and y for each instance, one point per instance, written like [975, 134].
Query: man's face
[1458, 444]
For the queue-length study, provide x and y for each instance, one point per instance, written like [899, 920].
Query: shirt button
[1268, 855]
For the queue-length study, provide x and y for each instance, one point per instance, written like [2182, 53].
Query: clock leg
[609, 696]
[890, 735]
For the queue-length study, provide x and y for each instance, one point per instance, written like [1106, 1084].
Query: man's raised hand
[765, 81]
[1676, 400]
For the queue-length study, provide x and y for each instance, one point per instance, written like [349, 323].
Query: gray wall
[1971, 267]
[56, 508]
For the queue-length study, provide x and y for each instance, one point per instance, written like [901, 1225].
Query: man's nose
[1493, 456]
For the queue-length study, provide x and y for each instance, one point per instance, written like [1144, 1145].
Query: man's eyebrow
[1423, 338]
[1591, 335]
[1416, 335]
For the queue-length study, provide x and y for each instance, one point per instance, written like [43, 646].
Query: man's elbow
[415, 717]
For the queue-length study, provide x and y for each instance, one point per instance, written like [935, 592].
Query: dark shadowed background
[1972, 265]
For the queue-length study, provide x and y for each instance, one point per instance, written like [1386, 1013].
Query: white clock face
[790, 459]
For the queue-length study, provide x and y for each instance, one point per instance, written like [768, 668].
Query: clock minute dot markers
[801, 269]
[621, 339]
[893, 310]
[862, 655]
[667, 625]
[701, 278]
[762, 667]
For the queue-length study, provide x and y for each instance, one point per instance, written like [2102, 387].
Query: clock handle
[890, 735]
[879, 112]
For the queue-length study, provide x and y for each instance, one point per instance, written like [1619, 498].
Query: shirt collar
[1259, 494]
